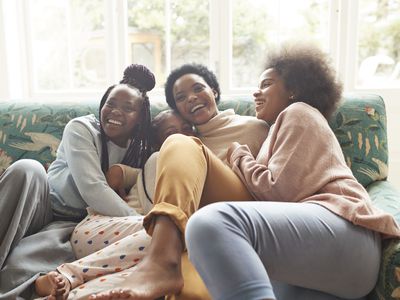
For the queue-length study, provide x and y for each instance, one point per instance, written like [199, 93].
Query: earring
[291, 97]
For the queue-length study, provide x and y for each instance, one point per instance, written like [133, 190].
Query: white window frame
[17, 58]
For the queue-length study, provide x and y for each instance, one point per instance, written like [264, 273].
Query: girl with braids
[89, 146]
[77, 178]
[98, 232]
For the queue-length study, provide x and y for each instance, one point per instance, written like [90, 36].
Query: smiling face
[172, 123]
[271, 96]
[121, 113]
[194, 99]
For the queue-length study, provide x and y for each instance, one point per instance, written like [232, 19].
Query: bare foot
[54, 285]
[159, 273]
[149, 280]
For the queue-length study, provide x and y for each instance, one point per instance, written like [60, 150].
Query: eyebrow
[130, 101]
[266, 79]
[194, 84]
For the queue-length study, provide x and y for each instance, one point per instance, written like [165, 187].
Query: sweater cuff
[238, 153]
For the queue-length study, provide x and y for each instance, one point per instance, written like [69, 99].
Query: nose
[192, 97]
[256, 92]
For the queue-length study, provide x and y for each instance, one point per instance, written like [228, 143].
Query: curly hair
[306, 71]
[198, 69]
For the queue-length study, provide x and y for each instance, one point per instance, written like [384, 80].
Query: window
[378, 43]
[258, 25]
[78, 47]
[66, 44]
[166, 34]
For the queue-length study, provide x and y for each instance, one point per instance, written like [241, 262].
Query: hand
[115, 178]
[231, 149]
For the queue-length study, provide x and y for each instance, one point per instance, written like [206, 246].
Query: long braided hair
[139, 149]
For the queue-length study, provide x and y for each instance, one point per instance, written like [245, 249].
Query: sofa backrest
[34, 130]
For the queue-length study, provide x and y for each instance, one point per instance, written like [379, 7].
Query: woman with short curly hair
[312, 232]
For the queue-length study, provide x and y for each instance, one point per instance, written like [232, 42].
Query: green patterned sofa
[34, 130]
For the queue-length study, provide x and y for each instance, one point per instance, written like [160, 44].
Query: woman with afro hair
[312, 232]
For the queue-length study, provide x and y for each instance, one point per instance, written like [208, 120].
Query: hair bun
[139, 76]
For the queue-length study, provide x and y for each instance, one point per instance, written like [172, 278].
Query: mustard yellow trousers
[189, 176]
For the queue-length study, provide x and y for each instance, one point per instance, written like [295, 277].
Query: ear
[215, 93]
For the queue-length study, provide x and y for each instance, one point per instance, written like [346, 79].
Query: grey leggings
[252, 250]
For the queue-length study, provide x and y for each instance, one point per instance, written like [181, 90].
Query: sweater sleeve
[83, 161]
[295, 158]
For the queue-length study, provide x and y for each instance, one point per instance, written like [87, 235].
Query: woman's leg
[24, 203]
[239, 247]
[114, 258]
[102, 245]
[96, 232]
[189, 176]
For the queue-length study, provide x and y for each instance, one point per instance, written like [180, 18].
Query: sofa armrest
[386, 197]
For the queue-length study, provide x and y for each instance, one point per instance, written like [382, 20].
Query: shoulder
[301, 113]
[80, 123]
[250, 121]
[152, 160]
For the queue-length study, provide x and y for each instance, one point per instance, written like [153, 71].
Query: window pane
[68, 45]
[260, 24]
[378, 43]
[146, 35]
[189, 34]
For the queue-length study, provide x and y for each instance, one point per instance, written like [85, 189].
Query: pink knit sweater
[301, 161]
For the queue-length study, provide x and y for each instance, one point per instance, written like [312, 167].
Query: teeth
[197, 107]
[115, 122]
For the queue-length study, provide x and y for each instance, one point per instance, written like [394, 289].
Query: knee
[180, 141]
[28, 168]
[178, 149]
[207, 224]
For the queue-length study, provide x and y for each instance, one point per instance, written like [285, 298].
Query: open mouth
[114, 122]
[259, 104]
[196, 108]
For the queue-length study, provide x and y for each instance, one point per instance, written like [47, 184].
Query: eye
[110, 104]
[265, 84]
[128, 109]
[198, 88]
[169, 132]
[180, 98]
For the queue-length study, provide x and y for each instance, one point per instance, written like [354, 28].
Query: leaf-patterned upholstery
[34, 130]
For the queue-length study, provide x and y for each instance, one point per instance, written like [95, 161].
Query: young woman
[89, 146]
[191, 172]
[76, 178]
[313, 226]
[96, 245]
